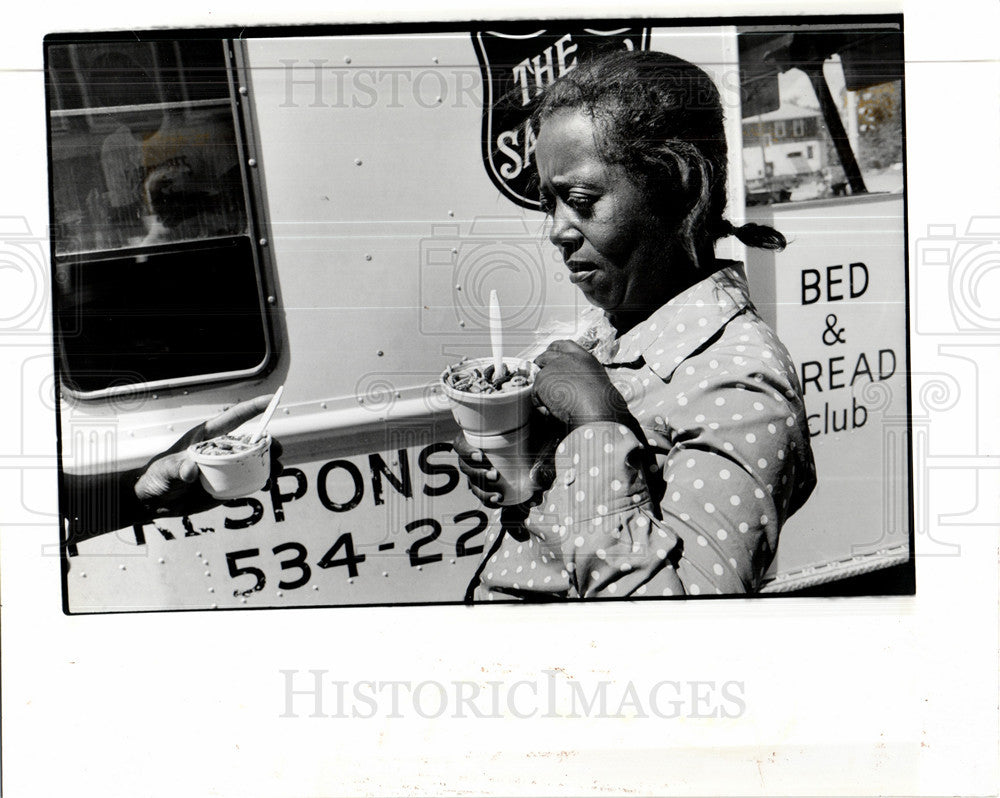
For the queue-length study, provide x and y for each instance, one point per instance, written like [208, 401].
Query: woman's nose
[564, 234]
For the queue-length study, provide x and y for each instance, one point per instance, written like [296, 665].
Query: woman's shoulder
[744, 353]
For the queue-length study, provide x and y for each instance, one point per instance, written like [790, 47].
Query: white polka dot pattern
[727, 428]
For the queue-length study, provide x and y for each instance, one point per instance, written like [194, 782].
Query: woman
[684, 445]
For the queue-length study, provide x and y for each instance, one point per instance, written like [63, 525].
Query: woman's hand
[573, 387]
[169, 484]
[485, 482]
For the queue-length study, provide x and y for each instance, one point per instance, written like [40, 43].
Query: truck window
[822, 113]
[157, 278]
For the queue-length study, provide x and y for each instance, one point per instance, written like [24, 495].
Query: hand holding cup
[170, 483]
[495, 413]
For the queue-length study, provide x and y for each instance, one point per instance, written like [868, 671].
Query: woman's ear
[698, 188]
[693, 198]
[686, 179]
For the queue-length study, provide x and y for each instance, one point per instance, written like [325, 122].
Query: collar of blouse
[677, 329]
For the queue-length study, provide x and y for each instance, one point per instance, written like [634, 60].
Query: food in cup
[472, 378]
[232, 466]
[226, 444]
[494, 412]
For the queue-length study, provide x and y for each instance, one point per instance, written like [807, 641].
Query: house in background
[783, 148]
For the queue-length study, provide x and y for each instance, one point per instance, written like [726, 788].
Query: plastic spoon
[266, 419]
[496, 335]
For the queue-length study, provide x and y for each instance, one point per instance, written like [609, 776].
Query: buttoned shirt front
[697, 506]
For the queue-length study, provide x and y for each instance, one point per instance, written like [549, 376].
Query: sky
[795, 88]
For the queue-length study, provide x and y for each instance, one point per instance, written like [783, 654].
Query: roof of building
[786, 111]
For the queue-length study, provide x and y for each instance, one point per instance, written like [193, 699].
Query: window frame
[252, 194]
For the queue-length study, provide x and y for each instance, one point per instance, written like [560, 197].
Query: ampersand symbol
[831, 335]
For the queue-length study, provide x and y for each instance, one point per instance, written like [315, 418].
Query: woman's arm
[732, 462]
[691, 504]
[572, 390]
[94, 504]
[167, 485]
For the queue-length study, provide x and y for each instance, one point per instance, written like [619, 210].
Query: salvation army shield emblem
[516, 64]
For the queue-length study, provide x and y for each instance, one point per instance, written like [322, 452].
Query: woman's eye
[580, 202]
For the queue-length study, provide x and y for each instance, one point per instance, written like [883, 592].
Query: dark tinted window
[157, 274]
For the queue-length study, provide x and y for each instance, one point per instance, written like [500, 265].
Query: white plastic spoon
[266, 419]
[496, 335]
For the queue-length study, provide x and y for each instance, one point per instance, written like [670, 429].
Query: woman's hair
[660, 117]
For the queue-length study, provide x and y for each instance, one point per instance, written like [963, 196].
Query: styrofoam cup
[230, 476]
[499, 424]
[491, 413]
[510, 456]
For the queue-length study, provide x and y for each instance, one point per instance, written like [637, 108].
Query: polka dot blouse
[697, 506]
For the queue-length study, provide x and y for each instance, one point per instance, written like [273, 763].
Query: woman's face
[616, 249]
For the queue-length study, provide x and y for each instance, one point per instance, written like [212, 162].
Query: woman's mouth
[581, 274]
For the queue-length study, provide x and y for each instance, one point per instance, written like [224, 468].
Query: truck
[328, 210]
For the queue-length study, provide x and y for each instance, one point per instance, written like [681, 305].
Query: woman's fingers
[557, 350]
[170, 486]
[462, 446]
[236, 415]
[482, 477]
[489, 498]
[547, 357]
[486, 479]
[568, 346]
[469, 456]
[187, 470]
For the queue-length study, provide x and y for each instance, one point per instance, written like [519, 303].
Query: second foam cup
[242, 470]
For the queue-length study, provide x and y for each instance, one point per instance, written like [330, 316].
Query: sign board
[516, 66]
[837, 295]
